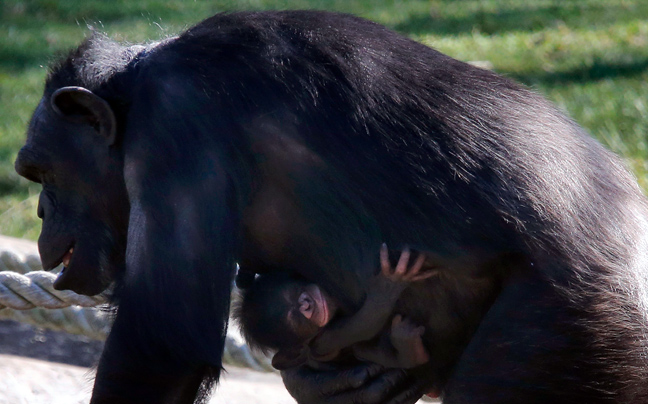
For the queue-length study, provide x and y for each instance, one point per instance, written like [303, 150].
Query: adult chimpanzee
[299, 141]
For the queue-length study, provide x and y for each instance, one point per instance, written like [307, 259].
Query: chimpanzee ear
[289, 358]
[80, 105]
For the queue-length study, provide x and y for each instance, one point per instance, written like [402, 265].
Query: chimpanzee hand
[365, 383]
[387, 286]
[403, 273]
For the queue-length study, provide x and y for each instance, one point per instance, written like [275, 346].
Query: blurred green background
[588, 56]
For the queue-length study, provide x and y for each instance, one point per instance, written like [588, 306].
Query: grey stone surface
[33, 381]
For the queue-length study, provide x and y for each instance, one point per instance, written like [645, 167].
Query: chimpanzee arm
[402, 348]
[380, 352]
[180, 258]
[382, 294]
[162, 343]
[365, 324]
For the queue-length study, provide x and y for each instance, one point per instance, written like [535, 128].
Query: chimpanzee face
[71, 152]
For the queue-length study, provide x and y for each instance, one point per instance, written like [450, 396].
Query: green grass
[588, 56]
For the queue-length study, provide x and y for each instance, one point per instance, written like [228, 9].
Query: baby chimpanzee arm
[402, 349]
[382, 294]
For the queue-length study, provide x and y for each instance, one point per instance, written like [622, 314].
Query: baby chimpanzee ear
[289, 358]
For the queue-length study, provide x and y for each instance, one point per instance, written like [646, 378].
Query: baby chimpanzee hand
[402, 273]
[406, 336]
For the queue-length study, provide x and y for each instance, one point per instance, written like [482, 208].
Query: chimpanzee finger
[381, 388]
[338, 382]
[407, 396]
[414, 270]
[331, 382]
[385, 265]
[364, 384]
[422, 276]
[401, 266]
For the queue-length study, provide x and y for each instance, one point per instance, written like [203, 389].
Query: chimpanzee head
[72, 150]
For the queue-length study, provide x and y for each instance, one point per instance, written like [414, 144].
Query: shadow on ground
[28, 341]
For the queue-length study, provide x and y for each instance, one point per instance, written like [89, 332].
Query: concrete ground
[33, 381]
[47, 367]
[40, 366]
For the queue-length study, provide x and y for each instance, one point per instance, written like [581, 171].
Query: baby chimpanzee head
[279, 311]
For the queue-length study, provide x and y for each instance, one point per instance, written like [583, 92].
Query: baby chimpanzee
[286, 313]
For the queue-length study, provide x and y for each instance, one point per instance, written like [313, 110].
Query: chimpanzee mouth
[67, 257]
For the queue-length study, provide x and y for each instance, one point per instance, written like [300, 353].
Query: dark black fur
[302, 140]
[263, 313]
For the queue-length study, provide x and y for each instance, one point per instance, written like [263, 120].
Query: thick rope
[27, 295]
[34, 289]
[92, 323]
[18, 255]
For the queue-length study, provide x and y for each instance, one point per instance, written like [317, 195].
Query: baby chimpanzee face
[310, 308]
[282, 311]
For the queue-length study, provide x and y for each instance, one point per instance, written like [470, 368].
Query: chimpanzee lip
[49, 264]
